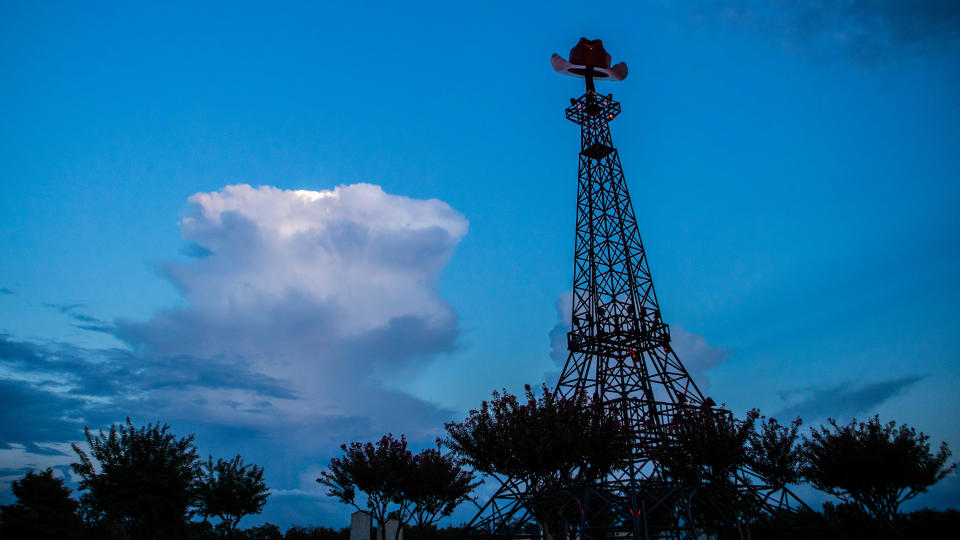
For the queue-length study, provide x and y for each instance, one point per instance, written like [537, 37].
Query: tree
[399, 485]
[549, 443]
[231, 490]
[436, 486]
[706, 453]
[267, 531]
[708, 446]
[774, 452]
[43, 510]
[299, 532]
[380, 470]
[142, 479]
[872, 465]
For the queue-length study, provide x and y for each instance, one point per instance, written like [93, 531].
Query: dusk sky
[286, 226]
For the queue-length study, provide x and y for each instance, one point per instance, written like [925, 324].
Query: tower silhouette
[620, 354]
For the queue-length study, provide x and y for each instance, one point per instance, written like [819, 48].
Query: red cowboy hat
[589, 56]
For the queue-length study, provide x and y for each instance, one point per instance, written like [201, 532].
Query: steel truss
[620, 353]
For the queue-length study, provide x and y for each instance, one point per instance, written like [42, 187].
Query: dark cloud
[195, 251]
[866, 31]
[18, 350]
[52, 391]
[843, 400]
[293, 326]
[118, 372]
[30, 414]
[185, 371]
[66, 309]
[60, 388]
[85, 320]
[404, 337]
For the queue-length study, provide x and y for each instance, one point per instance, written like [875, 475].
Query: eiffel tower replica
[620, 354]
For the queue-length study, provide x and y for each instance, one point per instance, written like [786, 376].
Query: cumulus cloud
[694, 352]
[297, 305]
[844, 400]
[863, 31]
[303, 302]
[354, 260]
[331, 291]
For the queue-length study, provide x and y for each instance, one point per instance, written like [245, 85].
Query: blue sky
[794, 167]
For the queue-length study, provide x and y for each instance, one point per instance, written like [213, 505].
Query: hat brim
[561, 65]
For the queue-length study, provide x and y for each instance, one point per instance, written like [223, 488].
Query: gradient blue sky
[794, 166]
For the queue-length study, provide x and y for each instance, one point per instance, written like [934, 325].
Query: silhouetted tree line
[549, 441]
[147, 484]
[431, 532]
[137, 484]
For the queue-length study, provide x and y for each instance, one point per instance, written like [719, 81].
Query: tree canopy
[774, 451]
[230, 490]
[436, 486]
[708, 446]
[378, 470]
[540, 439]
[873, 465]
[550, 443]
[43, 509]
[142, 478]
[398, 484]
[149, 483]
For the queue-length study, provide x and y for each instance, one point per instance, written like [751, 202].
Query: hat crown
[590, 52]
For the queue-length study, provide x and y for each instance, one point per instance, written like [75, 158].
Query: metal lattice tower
[619, 346]
[620, 353]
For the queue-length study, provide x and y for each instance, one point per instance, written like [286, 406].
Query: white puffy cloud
[329, 291]
[374, 254]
